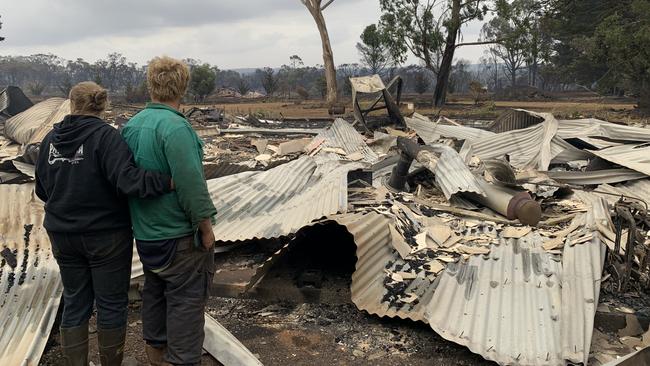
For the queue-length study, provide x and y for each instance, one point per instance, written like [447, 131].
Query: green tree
[1, 38]
[203, 81]
[511, 30]
[243, 87]
[373, 50]
[622, 42]
[268, 80]
[296, 61]
[411, 25]
[572, 25]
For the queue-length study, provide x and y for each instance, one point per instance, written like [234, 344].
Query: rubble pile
[501, 239]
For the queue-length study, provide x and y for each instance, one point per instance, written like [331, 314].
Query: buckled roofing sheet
[532, 147]
[506, 307]
[518, 304]
[514, 119]
[22, 127]
[13, 101]
[639, 189]
[595, 176]
[29, 293]
[342, 135]
[591, 127]
[430, 131]
[56, 117]
[636, 157]
[452, 175]
[511, 307]
[279, 201]
[374, 254]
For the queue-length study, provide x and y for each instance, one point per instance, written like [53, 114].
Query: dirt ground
[574, 105]
[310, 334]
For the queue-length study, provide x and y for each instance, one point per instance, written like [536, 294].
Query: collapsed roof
[513, 293]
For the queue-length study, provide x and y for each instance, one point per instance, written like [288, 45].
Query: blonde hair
[167, 79]
[88, 98]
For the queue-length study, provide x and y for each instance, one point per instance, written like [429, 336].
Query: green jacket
[162, 140]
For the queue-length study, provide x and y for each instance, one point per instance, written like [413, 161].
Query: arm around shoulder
[120, 169]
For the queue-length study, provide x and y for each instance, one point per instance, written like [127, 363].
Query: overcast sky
[227, 33]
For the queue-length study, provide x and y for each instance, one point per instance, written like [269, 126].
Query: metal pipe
[400, 172]
[511, 203]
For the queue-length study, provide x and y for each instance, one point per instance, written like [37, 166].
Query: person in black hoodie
[84, 173]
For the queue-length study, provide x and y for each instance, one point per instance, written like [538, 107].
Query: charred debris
[514, 240]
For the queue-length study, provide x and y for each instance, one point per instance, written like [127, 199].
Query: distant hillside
[245, 71]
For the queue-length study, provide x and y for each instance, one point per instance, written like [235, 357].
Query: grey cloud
[42, 22]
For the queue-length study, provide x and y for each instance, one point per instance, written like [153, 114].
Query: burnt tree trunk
[442, 81]
[316, 12]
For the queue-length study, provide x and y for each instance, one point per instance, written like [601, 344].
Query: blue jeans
[95, 267]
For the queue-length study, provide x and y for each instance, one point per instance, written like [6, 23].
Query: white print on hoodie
[55, 156]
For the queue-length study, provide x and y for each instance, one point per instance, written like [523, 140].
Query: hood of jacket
[69, 134]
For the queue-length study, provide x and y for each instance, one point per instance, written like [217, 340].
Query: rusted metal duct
[509, 202]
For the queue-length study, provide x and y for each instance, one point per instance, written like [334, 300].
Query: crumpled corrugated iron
[280, 201]
[30, 292]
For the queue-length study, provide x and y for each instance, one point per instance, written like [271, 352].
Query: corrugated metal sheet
[636, 157]
[22, 127]
[430, 131]
[375, 256]
[520, 305]
[8, 148]
[639, 189]
[342, 135]
[517, 305]
[505, 307]
[279, 201]
[56, 117]
[13, 101]
[224, 347]
[529, 148]
[591, 127]
[582, 266]
[452, 175]
[4, 103]
[29, 293]
[223, 169]
[514, 119]
[596, 176]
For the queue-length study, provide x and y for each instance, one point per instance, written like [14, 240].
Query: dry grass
[615, 110]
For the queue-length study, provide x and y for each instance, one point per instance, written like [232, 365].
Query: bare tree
[316, 8]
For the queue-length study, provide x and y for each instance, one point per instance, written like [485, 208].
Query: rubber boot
[74, 345]
[111, 346]
[155, 355]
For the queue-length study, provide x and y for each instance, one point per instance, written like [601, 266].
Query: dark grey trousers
[173, 303]
[95, 267]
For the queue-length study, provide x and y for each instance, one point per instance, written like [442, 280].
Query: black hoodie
[84, 172]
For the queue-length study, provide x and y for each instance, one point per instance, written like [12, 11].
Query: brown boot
[111, 346]
[74, 345]
[155, 355]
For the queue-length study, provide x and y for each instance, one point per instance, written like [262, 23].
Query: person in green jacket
[173, 233]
